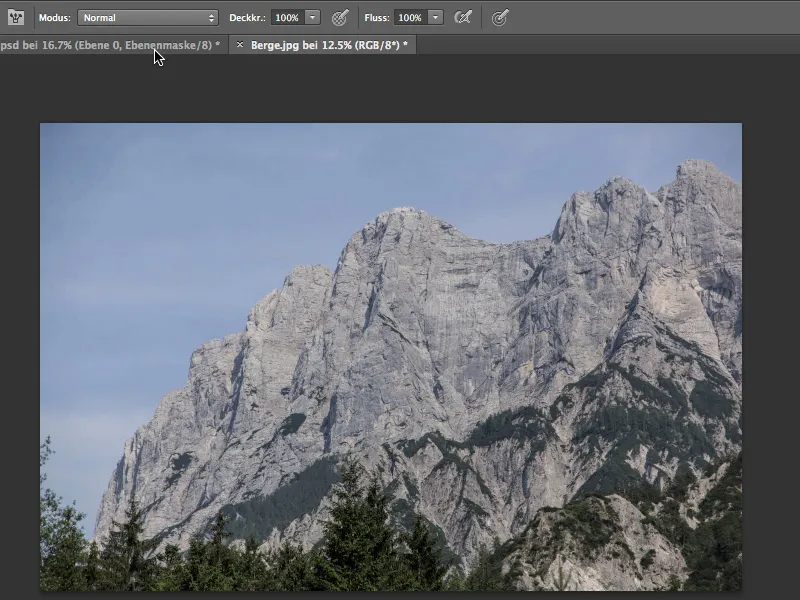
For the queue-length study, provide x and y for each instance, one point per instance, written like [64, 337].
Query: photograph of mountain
[504, 383]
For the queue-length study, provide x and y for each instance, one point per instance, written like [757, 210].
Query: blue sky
[156, 238]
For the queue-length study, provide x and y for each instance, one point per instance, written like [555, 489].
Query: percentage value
[57, 45]
[337, 45]
[287, 18]
[409, 18]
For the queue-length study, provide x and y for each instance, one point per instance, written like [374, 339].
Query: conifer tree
[386, 570]
[125, 559]
[210, 563]
[92, 569]
[251, 573]
[484, 576]
[291, 569]
[424, 559]
[172, 575]
[360, 552]
[217, 554]
[196, 565]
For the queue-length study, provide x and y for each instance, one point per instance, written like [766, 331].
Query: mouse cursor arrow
[158, 59]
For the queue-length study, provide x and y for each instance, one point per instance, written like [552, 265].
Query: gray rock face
[201, 449]
[629, 312]
[624, 553]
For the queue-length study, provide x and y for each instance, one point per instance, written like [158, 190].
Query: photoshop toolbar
[268, 28]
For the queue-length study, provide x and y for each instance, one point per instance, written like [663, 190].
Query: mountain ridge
[423, 329]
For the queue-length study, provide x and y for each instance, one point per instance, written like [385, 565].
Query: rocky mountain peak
[694, 167]
[701, 187]
[315, 274]
[400, 212]
[401, 225]
[484, 380]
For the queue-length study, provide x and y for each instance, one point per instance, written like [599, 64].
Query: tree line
[360, 551]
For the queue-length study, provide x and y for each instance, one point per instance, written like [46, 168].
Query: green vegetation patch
[648, 559]
[726, 495]
[648, 391]
[403, 515]
[527, 423]
[673, 390]
[631, 426]
[713, 550]
[258, 516]
[614, 474]
[588, 520]
[710, 400]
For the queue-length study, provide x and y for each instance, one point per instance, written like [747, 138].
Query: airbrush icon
[461, 17]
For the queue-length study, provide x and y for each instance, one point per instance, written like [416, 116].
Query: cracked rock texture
[484, 381]
[601, 548]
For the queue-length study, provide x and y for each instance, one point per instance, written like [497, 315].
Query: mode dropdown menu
[144, 18]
